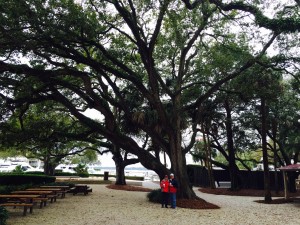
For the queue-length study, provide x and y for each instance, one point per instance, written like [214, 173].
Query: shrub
[18, 169]
[6, 189]
[134, 178]
[3, 215]
[70, 184]
[63, 174]
[154, 196]
[19, 179]
[35, 172]
[81, 170]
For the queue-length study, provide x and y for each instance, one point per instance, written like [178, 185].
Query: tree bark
[178, 162]
[119, 163]
[233, 169]
[207, 161]
[274, 132]
[267, 187]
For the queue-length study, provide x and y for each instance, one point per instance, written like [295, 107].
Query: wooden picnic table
[55, 191]
[44, 195]
[38, 192]
[19, 200]
[63, 188]
[58, 186]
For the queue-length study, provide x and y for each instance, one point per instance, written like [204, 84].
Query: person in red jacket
[164, 184]
[173, 190]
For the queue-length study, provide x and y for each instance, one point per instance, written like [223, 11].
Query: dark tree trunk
[120, 174]
[233, 169]
[296, 157]
[274, 133]
[178, 162]
[208, 163]
[177, 153]
[120, 166]
[268, 197]
[49, 167]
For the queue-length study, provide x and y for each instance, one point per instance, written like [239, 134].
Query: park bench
[41, 200]
[18, 204]
[52, 197]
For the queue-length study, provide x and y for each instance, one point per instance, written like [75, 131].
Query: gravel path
[113, 207]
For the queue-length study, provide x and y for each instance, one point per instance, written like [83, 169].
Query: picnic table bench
[18, 200]
[80, 188]
[44, 196]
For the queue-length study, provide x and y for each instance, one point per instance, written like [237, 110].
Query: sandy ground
[112, 207]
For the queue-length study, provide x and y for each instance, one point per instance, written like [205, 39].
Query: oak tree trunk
[233, 169]
[120, 166]
[267, 186]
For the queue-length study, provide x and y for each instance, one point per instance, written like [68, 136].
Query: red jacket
[173, 185]
[164, 184]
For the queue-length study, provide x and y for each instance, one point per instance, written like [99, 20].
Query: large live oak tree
[96, 54]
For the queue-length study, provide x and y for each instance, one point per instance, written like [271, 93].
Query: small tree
[81, 170]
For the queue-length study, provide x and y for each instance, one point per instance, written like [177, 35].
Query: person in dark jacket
[173, 189]
[164, 184]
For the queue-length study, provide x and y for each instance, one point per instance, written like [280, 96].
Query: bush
[154, 196]
[3, 215]
[7, 189]
[18, 170]
[19, 179]
[81, 170]
[35, 172]
[134, 178]
[70, 184]
[64, 174]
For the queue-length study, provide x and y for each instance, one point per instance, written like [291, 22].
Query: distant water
[132, 171]
[126, 168]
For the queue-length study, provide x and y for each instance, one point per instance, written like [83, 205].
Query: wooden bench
[17, 204]
[42, 201]
[44, 196]
[52, 198]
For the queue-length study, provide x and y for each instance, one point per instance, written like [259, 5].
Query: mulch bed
[128, 188]
[254, 193]
[195, 204]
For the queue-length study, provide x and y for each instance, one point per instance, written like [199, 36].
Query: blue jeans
[173, 200]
